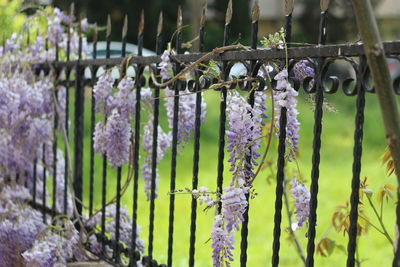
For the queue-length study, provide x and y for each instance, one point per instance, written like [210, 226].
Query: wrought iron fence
[320, 56]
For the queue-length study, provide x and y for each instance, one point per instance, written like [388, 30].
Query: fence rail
[320, 57]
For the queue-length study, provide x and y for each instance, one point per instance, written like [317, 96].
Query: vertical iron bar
[119, 170]
[245, 230]
[319, 98]
[34, 182]
[78, 130]
[196, 153]
[92, 125]
[104, 174]
[357, 153]
[44, 162]
[44, 183]
[222, 109]
[66, 125]
[280, 175]
[175, 126]
[55, 142]
[136, 144]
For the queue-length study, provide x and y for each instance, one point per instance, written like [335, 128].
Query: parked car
[115, 50]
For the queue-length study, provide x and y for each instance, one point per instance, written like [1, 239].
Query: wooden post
[378, 66]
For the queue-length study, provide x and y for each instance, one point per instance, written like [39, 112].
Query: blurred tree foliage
[341, 21]
[97, 10]
[11, 20]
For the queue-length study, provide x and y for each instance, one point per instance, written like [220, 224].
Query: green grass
[334, 189]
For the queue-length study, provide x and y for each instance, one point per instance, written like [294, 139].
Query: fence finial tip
[179, 18]
[141, 22]
[108, 30]
[125, 27]
[255, 11]
[203, 15]
[324, 5]
[289, 5]
[160, 23]
[228, 16]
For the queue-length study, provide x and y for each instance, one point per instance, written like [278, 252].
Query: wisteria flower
[301, 196]
[285, 96]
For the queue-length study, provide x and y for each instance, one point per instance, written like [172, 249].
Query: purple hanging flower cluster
[186, 114]
[54, 247]
[244, 134]
[102, 93]
[302, 70]
[222, 243]
[22, 233]
[285, 96]
[125, 229]
[165, 65]
[301, 197]
[113, 137]
[163, 143]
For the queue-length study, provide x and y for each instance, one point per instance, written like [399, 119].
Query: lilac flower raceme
[285, 96]
[165, 65]
[102, 93]
[234, 205]
[222, 243]
[244, 132]
[163, 143]
[125, 228]
[19, 224]
[244, 136]
[125, 98]
[117, 136]
[186, 114]
[302, 70]
[99, 138]
[54, 247]
[301, 196]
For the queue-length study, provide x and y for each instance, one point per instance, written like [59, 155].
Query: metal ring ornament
[396, 85]
[347, 82]
[334, 81]
[295, 83]
[366, 79]
[204, 82]
[309, 85]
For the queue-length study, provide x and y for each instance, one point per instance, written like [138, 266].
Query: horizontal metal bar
[348, 50]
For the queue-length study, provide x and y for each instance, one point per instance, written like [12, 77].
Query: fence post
[78, 131]
[375, 54]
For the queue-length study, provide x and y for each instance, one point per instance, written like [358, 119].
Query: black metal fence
[319, 56]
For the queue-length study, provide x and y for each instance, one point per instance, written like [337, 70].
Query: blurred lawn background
[334, 188]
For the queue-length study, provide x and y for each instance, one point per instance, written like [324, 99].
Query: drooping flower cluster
[186, 113]
[187, 102]
[163, 143]
[302, 70]
[285, 97]
[113, 137]
[54, 246]
[222, 243]
[244, 136]
[94, 223]
[301, 197]
[165, 65]
[19, 224]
